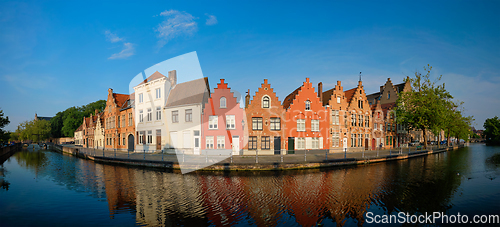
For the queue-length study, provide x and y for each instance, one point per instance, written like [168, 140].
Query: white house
[150, 98]
[79, 136]
[183, 113]
[99, 139]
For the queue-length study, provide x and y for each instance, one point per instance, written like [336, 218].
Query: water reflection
[295, 198]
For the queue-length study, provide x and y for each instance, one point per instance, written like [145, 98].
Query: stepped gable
[289, 99]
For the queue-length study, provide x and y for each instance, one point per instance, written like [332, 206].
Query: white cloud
[212, 20]
[175, 24]
[112, 37]
[128, 50]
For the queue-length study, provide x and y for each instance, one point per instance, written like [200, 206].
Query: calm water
[49, 189]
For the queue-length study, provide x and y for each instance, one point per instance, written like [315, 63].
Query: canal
[44, 188]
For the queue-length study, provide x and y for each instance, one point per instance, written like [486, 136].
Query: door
[186, 139]
[131, 142]
[344, 143]
[173, 139]
[366, 144]
[291, 145]
[158, 139]
[196, 142]
[236, 145]
[277, 145]
[373, 144]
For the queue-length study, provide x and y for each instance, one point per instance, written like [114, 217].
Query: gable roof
[399, 87]
[191, 92]
[120, 99]
[349, 94]
[289, 99]
[326, 96]
[154, 76]
[388, 106]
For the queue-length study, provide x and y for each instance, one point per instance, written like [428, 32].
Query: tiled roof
[79, 128]
[120, 99]
[326, 96]
[289, 99]
[349, 94]
[190, 92]
[154, 76]
[399, 87]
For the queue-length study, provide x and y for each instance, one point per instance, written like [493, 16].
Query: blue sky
[58, 54]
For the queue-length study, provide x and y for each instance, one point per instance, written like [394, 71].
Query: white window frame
[275, 124]
[175, 116]
[158, 93]
[315, 143]
[141, 98]
[158, 113]
[141, 116]
[149, 137]
[213, 122]
[308, 105]
[301, 143]
[315, 125]
[223, 102]
[149, 115]
[209, 141]
[301, 125]
[335, 139]
[221, 142]
[230, 122]
[264, 99]
[188, 115]
[141, 134]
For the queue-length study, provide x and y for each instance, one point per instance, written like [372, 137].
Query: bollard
[183, 159]
[305, 155]
[144, 154]
[162, 155]
[102, 152]
[345, 153]
[363, 154]
[281, 153]
[326, 155]
[128, 153]
[206, 156]
[256, 156]
[377, 152]
[231, 157]
[115, 152]
[390, 151]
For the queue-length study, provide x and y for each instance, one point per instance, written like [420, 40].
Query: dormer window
[308, 105]
[265, 102]
[223, 102]
[388, 95]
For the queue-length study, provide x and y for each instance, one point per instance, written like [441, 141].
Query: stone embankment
[308, 160]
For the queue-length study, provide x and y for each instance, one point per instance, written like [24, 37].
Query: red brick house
[266, 116]
[119, 124]
[307, 121]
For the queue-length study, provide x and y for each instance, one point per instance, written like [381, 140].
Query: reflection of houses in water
[120, 188]
[168, 199]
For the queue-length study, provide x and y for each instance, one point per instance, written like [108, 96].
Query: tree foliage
[4, 121]
[492, 131]
[429, 107]
[34, 130]
[66, 122]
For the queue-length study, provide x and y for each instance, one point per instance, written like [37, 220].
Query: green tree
[4, 121]
[34, 130]
[492, 131]
[455, 123]
[422, 107]
[64, 123]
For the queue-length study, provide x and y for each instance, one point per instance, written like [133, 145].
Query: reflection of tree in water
[3, 183]
[33, 160]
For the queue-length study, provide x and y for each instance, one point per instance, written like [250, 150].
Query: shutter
[295, 143]
[308, 142]
[144, 137]
[320, 142]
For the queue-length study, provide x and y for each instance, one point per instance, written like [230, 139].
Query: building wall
[125, 128]
[182, 134]
[360, 129]
[297, 110]
[212, 108]
[148, 91]
[255, 109]
[99, 138]
[338, 103]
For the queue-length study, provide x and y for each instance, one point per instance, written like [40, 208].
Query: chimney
[172, 76]
[247, 99]
[110, 91]
[320, 91]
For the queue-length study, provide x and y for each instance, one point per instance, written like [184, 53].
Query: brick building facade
[119, 125]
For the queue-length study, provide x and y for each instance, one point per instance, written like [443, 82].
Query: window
[275, 124]
[141, 98]
[308, 105]
[109, 109]
[360, 140]
[367, 121]
[386, 140]
[301, 143]
[158, 93]
[175, 116]
[141, 137]
[129, 119]
[210, 142]
[212, 122]
[230, 122]
[158, 113]
[118, 122]
[335, 139]
[123, 120]
[188, 115]
[353, 120]
[266, 143]
[141, 117]
[150, 136]
[252, 143]
[223, 102]
[265, 102]
[345, 120]
[301, 125]
[256, 123]
[315, 125]
[123, 136]
[388, 95]
[335, 117]
[220, 142]
[150, 115]
[338, 99]
[375, 126]
[315, 143]
[360, 120]
[119, 139]
[360, 104]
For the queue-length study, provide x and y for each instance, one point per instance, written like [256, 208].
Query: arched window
[308, 105]
[265, 102]
[223, 102]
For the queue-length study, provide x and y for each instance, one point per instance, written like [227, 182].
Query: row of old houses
[162, 114]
